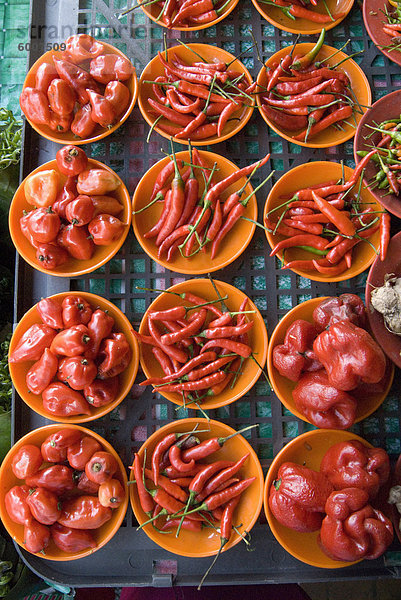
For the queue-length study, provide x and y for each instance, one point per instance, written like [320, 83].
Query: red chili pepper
[195, 526]
[281, 68]
[83, 125]
[171, 350]
[100, 327]
[231, 345]
[198, 482]
[290, 122]
[338, 115]
[79, 79]
[81, 47]
[338, 218]
[200, 384]
[32, 343]
[102, 109]
[190, 365]
[385, 224]
[191, 329]
[117, 356]
[222, 477]
[34, 105]
[71, 342]
[300, 240]
[145, 498]
[44, 76]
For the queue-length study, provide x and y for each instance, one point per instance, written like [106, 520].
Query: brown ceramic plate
[373, 18]
[390, 342]
[386, 108]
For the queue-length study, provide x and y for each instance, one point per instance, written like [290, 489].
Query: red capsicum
[102, 391]
[352, 464]
[77, 371]
[350, 356]
[84, 512]
[298, 496]
[62, 401]
[117, 353]
[50, 312]
[291, 357]
[100, 327]
[71, 342]
[42, 372]
[352, 529]
[76, 311]
[347, 307]
[323, 404]
[33, 343]
[71, 540]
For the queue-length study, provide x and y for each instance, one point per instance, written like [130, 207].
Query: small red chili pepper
[145, 498]
[166, 484]
[385, 223]
[231, 345]
[338, 218]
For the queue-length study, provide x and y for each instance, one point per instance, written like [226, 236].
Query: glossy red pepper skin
[111, 67]
[50, 312]
[101, 467]
[57, 479]
[71, 160]
[42, 372]
[350, 355]
[71, 540]
[67, 194]
[102, 391]
[118, 95]
[15, 501]
[100, 327]
[80, 211]
[111, 493]
[26, 461]
[59, 123]
[347, 307]
[85, 485]
[77, 372]
[71, 342]
[102, 109]
[297, 497]
[83, 125]
[61, 97]
[34, 105]
[75, 311]
[44, 76]
[43, 225]
[44, 505]
[84, 512]
[62, 401]
[51, 256]
[81, 47]
[32, 343]
[23, 222]
[290, 357]
[54, 448]
[36, 537]
[352, 529]
[117, 354]
[76, 241]
[323, 404]
[105, 229]
[81, 452]
[97, 182]
[352, 464]
[79, 79]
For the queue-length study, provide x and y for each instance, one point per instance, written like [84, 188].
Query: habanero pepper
[290, 358]
[101, 467]
[117, 353]
[84, 484]
[77, 372]
[347, 307]
[75, 311]
[50, 312]
[100, 327]
[51, 256]
[97, 182]
[32, 343]
[76, 241]
[71, 342]
[26, 461]
[57, 479]
[84, 512]
[44, 505]
[102, 110]
[111, 67]
[71, 160]
[41, 188]
[71, 540]
[62, 401]
[43, 225]
[44, 76]
[79, 79]
[111, 493]
[15, 501]
[105, 229]
[67, 194]
[118, 95]
[61, 97]
[80, 452]
[106, 205]
[34, 105]
[42, 372]
[83, 125]
[81, 47]
[36, 537]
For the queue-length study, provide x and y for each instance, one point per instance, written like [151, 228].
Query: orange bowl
[230, 249]
[7, 480]
[188, 54]
[152, 11]
[360, 87]
[18, 371]
[72, 267]
[283, 387]
[250, 372]
[277, 18]
[308, 450]
[302, 177]
[100, 132]
[207, 541]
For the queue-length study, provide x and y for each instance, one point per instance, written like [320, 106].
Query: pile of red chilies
[296, 9]
[324, 220]
[199, 347]
[302, 94]
[393, 27]
[179, 491]
[196, 101]
[186, 13]
[190, 216]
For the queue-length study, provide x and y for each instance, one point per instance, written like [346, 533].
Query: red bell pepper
[322, 404]
[347, 307]
[298, 496]
[350, 355]
[352, 529]
[352, 464]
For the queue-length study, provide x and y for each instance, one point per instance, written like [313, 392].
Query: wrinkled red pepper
[71, 342]
[33, 343]
[42, 372]
[322, 404]
[117, 354]
[62, 401]
[102, 391]
[76, 311]
[50, 312]
[84, 512]
[352, 464]
[298, 496]
[350, 355]
[352, 529]
[100, 327]
[347, 307]
[291, 357]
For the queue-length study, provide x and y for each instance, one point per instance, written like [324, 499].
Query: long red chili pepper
[171, 488]
[199, 384]
[145, 498]
[338, 115]
[385, 223]
[176, 461]
[154, 231]
[197, 484]
[189, 366]
[221, 477]
[172, 351]
[163, 360]
[300, 240]
[191, 329]
[338, 218]
[211, 367]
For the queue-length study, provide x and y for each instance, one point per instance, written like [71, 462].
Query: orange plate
[18, 371]
[277, 18]
[72, 267]
[302, 177]
[283, 387]
[211, 54]
[7, 480]
[100, 132]
[307, 449]
[234, 244]
[257, 338]
[153, 11]
[359, 84]
[206, 542]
